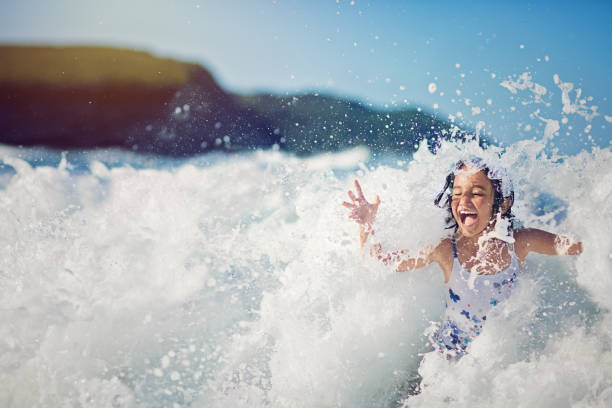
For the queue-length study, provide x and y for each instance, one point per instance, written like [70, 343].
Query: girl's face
[472, 201]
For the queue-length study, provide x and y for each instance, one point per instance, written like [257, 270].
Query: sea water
[238, 281]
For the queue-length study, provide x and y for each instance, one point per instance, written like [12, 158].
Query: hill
[96, 97]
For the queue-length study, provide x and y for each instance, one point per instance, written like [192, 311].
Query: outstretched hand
[362, 211]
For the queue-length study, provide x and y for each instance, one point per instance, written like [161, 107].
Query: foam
[238, 281]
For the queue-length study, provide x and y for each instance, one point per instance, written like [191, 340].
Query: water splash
[148, 287]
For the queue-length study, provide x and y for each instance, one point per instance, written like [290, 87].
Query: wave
[238, 281]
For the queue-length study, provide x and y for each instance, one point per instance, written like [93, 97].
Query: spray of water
[238, 281]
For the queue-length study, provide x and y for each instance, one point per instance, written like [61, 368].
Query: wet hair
[498, 192]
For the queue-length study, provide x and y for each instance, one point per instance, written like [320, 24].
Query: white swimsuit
[469, 298]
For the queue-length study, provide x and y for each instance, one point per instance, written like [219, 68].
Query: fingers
[359, 191]
[348, 205]
[352, 196]
[360, 198]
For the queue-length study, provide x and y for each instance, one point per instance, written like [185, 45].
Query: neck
[475, 241]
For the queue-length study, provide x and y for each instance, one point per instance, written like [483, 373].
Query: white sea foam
[238, 281]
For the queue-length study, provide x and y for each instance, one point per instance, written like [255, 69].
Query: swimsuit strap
[454, 246]
[512, 253]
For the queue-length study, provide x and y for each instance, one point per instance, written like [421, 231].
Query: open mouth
[468, 218]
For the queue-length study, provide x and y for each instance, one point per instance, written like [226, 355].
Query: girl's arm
[535, 240]
[403, 262]
[364, 214]
[442, 254]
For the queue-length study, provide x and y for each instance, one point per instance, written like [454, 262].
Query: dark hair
[498, 194]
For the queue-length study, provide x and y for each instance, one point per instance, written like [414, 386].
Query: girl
[481, 258]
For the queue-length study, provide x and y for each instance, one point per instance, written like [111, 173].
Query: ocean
[237, 281]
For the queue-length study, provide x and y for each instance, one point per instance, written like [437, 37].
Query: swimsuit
[469, 298]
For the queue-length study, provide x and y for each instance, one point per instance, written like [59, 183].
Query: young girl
[481, 258]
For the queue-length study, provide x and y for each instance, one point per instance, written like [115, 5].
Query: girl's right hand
[362, 211]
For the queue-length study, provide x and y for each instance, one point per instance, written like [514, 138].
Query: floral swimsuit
[469, 298]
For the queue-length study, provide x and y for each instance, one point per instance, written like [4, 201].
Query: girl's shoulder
[444, 248]
[521, 242]
[443, 254]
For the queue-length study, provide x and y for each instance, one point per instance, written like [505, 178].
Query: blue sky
[447, 57]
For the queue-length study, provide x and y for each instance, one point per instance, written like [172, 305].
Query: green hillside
[93, 97]
[70, 66]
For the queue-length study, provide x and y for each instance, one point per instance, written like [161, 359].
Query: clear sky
[447, 57]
